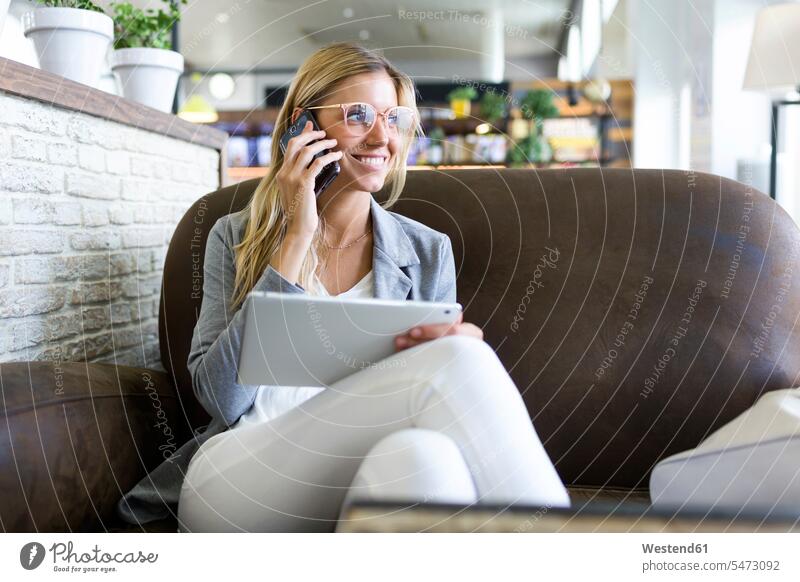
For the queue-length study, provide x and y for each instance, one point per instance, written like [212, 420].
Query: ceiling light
[221, 86]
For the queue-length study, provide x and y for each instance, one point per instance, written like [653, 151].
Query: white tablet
[293, 339]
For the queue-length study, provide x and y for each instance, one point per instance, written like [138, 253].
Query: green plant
[81, 4]
[519, 152]
[538, 105]
[530, 149]
[149, 28]
[493, 106]
[466, 92]
[436, 135]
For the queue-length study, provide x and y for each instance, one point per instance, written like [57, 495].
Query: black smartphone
[329, 172]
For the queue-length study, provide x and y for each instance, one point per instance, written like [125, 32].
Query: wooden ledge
[32, 83]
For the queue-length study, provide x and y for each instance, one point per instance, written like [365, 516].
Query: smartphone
[328, 173]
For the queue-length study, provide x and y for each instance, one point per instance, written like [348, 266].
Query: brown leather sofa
[628, 306]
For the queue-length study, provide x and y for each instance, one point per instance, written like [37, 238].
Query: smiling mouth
[372, 162]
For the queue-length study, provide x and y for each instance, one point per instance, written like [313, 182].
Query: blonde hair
[267, 223]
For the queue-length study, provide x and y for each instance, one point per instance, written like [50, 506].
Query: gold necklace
[348, 244]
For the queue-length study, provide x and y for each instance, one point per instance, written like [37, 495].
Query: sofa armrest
[74, 436]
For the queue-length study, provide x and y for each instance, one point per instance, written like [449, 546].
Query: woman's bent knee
[414, 464]
[418, 444]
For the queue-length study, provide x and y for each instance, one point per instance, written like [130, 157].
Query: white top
[272, 401]
[364, 288]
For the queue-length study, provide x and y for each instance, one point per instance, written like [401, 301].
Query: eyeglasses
[360, 117]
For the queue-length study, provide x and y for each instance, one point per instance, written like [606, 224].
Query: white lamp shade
[774, 60]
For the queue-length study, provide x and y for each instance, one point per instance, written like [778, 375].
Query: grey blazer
[410, 261]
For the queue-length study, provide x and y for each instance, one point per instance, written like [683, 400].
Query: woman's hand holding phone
[296, 179]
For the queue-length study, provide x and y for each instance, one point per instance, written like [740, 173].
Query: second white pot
[148, 75]
[70, 42]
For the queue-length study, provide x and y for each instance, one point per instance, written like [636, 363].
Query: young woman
[440, 420]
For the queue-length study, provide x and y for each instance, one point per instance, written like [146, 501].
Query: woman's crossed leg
[293, 472]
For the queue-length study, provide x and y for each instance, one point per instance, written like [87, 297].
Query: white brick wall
[87, 208]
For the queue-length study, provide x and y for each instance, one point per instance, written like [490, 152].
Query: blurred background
[542, 83]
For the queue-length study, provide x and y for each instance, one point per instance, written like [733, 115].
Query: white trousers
[441, 421]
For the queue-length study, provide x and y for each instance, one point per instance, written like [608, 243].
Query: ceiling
[270, 34]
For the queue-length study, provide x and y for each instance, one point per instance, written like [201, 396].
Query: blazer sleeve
[216, 341]
[446, 288]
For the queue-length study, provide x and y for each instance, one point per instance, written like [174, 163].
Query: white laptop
[295, 339]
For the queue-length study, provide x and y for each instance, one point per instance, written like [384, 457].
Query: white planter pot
[3, 11]
[148, 75]
[70, 42]
[108, 83]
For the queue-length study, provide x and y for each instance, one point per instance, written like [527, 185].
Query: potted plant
[536, 106]
[529, 149]
[460, 99]
[147, 70]
[493, 107]
[71, 38]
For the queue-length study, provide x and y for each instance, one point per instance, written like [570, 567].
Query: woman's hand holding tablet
[424, 333]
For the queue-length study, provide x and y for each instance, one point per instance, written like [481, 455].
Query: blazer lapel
[392, 251]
